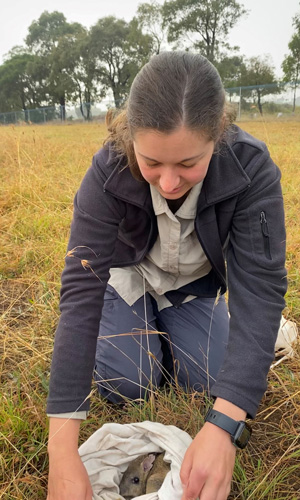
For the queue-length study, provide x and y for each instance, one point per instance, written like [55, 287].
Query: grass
[41, 168]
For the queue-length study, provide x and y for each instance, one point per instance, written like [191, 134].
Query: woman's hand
[207, 468]
[68, 478]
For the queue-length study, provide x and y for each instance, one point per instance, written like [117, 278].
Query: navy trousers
[139, 347]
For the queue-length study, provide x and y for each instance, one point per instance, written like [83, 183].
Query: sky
[266, 30]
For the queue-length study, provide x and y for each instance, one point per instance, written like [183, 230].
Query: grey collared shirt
[175, 259]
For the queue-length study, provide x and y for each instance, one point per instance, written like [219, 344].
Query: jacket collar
[123, 185]
[224, 179]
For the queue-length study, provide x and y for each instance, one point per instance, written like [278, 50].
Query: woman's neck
[174, 205]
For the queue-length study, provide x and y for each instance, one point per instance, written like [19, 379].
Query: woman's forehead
[182, 142]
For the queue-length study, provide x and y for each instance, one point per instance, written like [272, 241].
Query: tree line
[64, 62]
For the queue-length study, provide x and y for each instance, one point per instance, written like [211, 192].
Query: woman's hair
[173, 89]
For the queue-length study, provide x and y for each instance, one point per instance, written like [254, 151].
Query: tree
[18, 90]
[150, 19]
[75, 54]
[231, 70]
[48, 38]
[259, 75]
[73, 70]
[291, 63]
[296, 22]
[120, 49]
[206, 23]
[85, 74]
[45, 33]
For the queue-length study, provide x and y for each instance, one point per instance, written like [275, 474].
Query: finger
[187, 495]
[225, 489]
[191, 493]
[89, 495]
[195, 484]
[214, 490]
[186, 468]
[224, 494]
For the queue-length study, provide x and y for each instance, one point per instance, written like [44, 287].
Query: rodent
[145, 474]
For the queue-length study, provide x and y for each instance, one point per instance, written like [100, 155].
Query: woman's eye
[186, 166]
[179, 164]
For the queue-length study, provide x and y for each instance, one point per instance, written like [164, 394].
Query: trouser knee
[133, 384]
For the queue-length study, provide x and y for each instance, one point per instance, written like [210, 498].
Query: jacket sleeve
[256, 285]
[94, 231]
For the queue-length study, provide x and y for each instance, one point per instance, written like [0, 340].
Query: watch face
[242, 435]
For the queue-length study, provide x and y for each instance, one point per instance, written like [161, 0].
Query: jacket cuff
[79, 415]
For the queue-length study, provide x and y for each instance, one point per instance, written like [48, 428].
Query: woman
[175, 192]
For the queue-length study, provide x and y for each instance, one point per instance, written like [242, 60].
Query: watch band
[239, 431]
[226, 423]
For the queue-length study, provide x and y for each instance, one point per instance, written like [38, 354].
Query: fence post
[240, 104]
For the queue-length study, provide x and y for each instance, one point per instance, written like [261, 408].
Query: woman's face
[173, 163]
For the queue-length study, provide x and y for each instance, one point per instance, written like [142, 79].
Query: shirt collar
[187, 210]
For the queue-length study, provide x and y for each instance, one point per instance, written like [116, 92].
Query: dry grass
[41, 168]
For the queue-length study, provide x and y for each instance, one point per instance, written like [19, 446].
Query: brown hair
[171, 90]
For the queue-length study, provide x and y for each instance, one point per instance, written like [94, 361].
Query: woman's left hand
[207, 468]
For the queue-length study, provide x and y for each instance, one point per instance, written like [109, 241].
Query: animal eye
[135, 480]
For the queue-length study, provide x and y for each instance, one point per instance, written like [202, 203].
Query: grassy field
[40, 170]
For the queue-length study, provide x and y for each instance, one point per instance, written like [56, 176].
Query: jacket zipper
[208, 257]
[265, 234]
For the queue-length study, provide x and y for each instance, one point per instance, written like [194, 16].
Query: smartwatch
[239, 431]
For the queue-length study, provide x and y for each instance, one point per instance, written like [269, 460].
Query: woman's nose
[169, 181]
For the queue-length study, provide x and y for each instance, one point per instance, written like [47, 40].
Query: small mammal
[145, 474]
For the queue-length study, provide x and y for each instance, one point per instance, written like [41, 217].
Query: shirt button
[159, 291]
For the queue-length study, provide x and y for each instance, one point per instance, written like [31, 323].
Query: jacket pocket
[265, 234]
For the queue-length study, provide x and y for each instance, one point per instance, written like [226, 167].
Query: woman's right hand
[68, 478]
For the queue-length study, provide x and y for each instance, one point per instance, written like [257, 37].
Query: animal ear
[147, 463]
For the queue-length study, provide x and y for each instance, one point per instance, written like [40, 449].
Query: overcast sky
[266, 30]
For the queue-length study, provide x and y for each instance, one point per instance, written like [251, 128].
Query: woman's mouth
[174, 191]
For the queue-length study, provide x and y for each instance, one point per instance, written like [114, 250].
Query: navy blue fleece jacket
[240, 225]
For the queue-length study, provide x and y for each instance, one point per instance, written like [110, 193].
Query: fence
[279, 100]
[85, 111]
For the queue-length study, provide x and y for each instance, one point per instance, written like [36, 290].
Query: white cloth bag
[106, 455]
[286, 338]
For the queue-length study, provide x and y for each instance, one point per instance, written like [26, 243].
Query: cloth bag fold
[107, 453]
